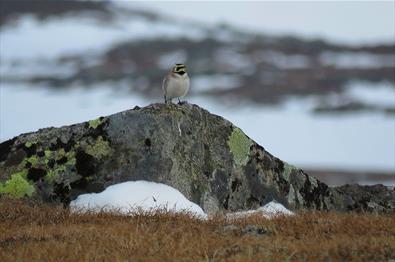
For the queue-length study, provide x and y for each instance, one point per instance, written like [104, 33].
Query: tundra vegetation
[36, 232]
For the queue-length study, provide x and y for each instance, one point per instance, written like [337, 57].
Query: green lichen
[17, 186]
[55, 173]
[99, 149]
[239, 144]
[60, 153]
[48, 153]
[34, 160]
[95, 123]
[29, 144]
[57, 170]
[171, 109]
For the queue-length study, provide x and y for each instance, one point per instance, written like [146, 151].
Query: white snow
[38, 68]
[382, 94]
[136, 196]
[231, 60]
[283, 61]
[144, 196]
[202, 83]
[270, 210]
[33, 39]
[355, 22]
[379, 95]
[362, 60]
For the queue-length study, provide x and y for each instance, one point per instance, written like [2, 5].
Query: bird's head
[179, 69]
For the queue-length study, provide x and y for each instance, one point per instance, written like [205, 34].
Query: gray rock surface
[208, 159]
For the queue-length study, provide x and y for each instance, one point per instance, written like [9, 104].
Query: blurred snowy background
[312, 82]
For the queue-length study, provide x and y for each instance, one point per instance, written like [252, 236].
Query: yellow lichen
[99, 149]
[17, 186]
[95, 123]
[29, 144]
[239, 144]
[34, 160]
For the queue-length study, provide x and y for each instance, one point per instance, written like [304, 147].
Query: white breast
[177, 86]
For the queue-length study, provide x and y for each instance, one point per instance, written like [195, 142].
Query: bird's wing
[188, 81]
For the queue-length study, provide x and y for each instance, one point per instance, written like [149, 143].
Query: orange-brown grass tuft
[31, 232]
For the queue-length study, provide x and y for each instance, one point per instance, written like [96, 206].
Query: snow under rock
[270, 210]
[144, 196]
[136, 196]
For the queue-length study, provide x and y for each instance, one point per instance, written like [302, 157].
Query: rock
[377, 198]
[208, 159]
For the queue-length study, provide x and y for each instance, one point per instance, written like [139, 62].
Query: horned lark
[176, 83]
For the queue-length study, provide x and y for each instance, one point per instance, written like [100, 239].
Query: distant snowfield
[311, 19]
[382, 94]
[144, 196]
[33, 39]
[352, 141]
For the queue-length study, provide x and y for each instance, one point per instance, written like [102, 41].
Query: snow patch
[144, 196]
[135, 196]
[25, 69]
[381, 94]
[270, 210]
[361, 60]
[72, 35]
[203, 83]
[283, 61]
[234, 61]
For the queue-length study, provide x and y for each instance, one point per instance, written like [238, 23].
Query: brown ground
[40, 233]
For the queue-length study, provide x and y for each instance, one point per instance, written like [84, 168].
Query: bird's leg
[179, 101]
[165, 99]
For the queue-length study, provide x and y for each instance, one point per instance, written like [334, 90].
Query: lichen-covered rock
[212, 162]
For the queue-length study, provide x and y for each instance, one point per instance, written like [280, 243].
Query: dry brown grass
[31, 232]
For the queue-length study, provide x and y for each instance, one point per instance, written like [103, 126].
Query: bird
[176, 83]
